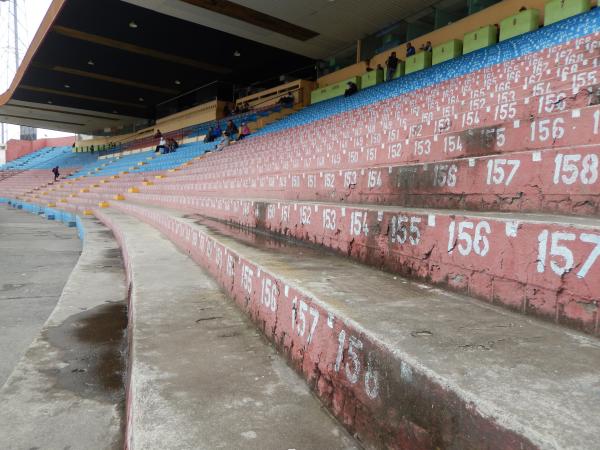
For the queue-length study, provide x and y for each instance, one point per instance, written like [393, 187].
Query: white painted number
[329, 219]
[496, 173]
[353, 366]
[561, 257]
[305, 215]
[374, 179]
[568, 171]
[422, 147]
[269, 294]
[468, 241]
[402, 229]
[247, 274]
[299, 310]
[358, 223]
[545, 129]
[444, 175]
[452, 144]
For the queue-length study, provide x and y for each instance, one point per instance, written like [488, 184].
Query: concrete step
[297, 152]
[67, 390]
[201, 376]
[530, 181]
[541, 265]
[400, 364]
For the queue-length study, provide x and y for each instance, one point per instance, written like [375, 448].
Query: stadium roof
[96, 65]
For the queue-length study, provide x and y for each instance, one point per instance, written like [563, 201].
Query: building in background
[28, 133]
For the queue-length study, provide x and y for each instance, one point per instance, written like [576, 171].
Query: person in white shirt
[162, 145]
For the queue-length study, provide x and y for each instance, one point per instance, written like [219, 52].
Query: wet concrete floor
[80, 354]
[36, 259]
[93, 345]
[261, 239]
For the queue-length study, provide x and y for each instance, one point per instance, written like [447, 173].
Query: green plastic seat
[557, 10]
[481, 38]
[372, 78]
[521, 23]
[417, 62]
[333, 90]
[446, 51]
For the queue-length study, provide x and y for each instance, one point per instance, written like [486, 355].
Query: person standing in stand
[392, 65]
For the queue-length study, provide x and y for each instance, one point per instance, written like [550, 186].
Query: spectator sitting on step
[217, 132]
[172, 145]
[392, 65]
[56, 173]
[162, 145]
[224, 142]
[210, 135]
[410, 50]
[245, 131]
[231, 130]
[426, 47]
[351, 90]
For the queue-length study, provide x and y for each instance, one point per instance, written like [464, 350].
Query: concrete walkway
[67, 391]
[202, 377]
[36, 258]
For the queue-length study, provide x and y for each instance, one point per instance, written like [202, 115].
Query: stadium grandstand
[293, 240]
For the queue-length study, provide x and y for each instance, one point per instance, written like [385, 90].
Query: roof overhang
[105, 66]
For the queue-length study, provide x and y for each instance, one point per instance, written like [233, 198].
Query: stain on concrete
[12, 286]
[112, 253]
[111, 261]
[480, 141]
[106, 233]
[93, 343]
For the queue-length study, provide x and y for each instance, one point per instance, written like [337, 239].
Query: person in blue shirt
[210, 135]
[410, 50]
[231, 130]
[217, 132]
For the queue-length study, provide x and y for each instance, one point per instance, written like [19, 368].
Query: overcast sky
[29, 14]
